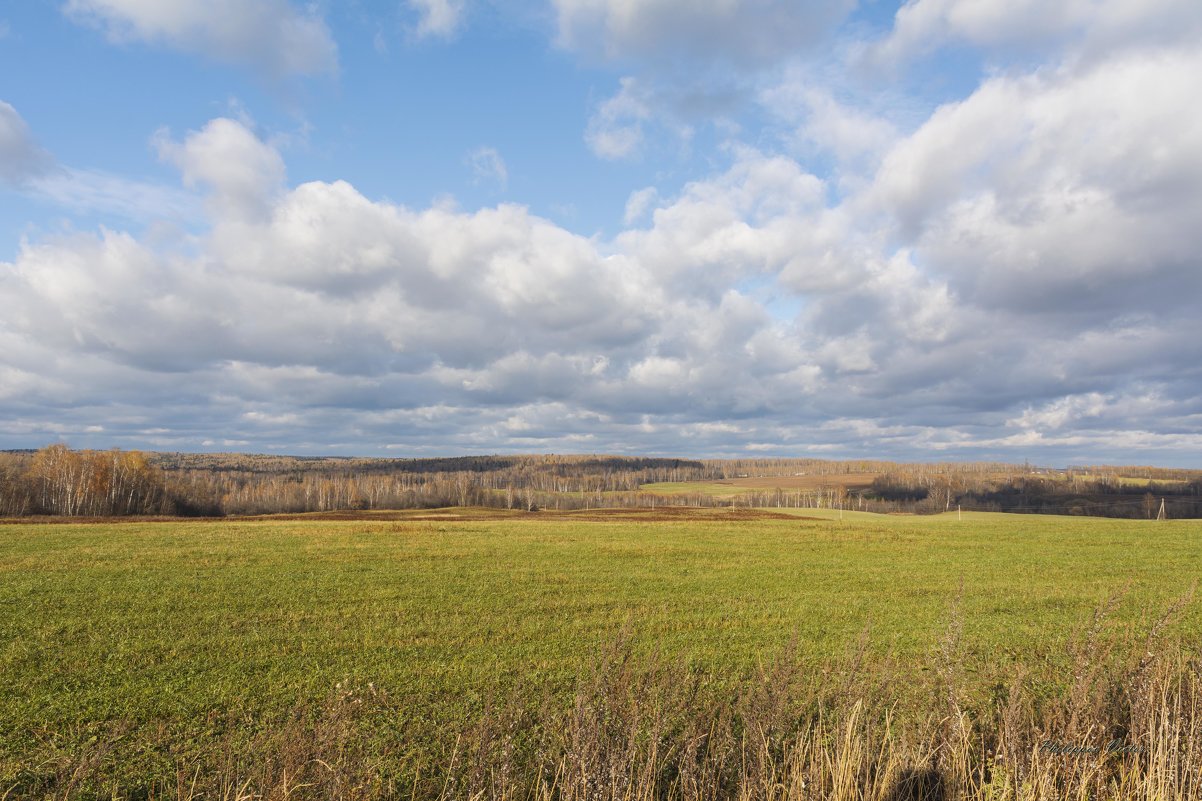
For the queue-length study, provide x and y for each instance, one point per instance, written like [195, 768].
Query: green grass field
[176, 629]
[709, 488]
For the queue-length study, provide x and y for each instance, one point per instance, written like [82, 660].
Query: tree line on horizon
[57, 480]
[1105, 491]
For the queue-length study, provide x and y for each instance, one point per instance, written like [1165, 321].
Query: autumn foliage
[60, 481]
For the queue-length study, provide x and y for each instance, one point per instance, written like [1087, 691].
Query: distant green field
[1134, 481]
[173, 628]
[694, 488]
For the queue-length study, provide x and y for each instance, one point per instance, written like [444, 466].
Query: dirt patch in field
[392, 515]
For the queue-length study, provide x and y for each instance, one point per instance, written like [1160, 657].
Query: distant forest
[59, 481]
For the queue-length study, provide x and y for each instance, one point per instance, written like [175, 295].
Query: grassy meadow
[136, 654]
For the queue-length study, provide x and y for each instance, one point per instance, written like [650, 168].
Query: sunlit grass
[181, 627]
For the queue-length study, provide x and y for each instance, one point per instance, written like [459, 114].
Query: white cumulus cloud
[225, 157]
[272, 35]
[1061, 190]
[1097, 25]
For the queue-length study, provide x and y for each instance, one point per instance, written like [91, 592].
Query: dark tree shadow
[918, 784]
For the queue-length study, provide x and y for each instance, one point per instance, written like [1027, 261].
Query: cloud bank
[313, 315]
[1013, 275]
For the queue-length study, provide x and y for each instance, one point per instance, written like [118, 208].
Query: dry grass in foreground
[1127, 724]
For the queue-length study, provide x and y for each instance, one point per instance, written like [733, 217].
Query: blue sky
[949, 229]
